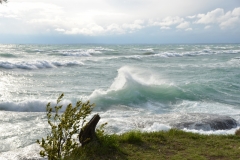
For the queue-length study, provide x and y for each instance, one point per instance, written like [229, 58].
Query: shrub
[60, 142]
[106, 147]
[237, 132]
[106, 141]
[133, 137]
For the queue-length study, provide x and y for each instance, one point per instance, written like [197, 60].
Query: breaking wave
[80, 52]
[136, 87]
[36, 64]
[195, 53]
[30, 105]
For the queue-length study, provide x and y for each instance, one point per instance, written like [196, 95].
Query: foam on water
[145, 49]
[169, 54]
[18, 134]
[181, 54]
[138, 75]
[136, 86]
[142, 87]
[207, 107]
[103, 49]
[230, 51]
[195, 53]
[150, 53]
[30, 152]
[80, 52]
[215, 132]
[30, 105]
[41, 64]
[77, 54]
[157, 127]
[122, 119]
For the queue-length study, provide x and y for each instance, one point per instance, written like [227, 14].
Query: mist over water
[145, 87]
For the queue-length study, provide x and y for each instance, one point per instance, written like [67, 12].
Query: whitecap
[147, 49]
[168, 54]
[80, 52]
[215, 132]
[29, 152]
[33, 105]
[157, 127]
[41, 64]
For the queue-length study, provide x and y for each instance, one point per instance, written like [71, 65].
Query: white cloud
[230, 23]
[228, 20]
[60, 30]
[169, 21]
[183, 25]
[104, 17]
[236, 12]
[137, 24]
[191, 17]
[90, 29]
[166, 23]
[25, 10]
[188, 29]
[207, 27]
[115, 28]
[164, 27]
[210, 17]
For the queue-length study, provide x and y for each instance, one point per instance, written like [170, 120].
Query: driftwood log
[87, 133]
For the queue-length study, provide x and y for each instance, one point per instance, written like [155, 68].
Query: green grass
[172, 145]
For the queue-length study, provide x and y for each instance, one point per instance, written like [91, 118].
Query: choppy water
[141, 87]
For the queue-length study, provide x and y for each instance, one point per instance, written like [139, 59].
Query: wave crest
[81, 52]
[30, 105]
[36, 64]
[137, 87]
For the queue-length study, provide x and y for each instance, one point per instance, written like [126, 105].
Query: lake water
[143, 87]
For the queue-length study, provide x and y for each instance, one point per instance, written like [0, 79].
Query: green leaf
[59, 142]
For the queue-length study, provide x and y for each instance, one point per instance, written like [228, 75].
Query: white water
[143, 87]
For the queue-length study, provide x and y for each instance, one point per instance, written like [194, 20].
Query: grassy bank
[174, 144]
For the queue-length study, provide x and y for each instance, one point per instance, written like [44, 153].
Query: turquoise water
[134, 86]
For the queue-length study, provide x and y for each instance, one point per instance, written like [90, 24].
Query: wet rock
[206, 122]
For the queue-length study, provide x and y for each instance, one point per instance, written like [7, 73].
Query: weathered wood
[87, 133]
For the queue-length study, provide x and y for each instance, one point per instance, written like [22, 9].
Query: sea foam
[30, 105]
[215, 132]
[41, 64]
[80, 52]
[194, 53]
[137, 87]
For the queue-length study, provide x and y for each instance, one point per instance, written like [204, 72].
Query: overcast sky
[120, 21]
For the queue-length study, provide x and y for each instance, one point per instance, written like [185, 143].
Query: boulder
[206, 122]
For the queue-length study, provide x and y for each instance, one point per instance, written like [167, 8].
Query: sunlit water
[144, 87]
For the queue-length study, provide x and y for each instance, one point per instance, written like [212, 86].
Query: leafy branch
[60, 143]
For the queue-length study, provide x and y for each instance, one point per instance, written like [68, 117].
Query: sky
[120, 21]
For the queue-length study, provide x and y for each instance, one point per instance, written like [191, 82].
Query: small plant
[105, 147]
[106, 141]
[237, 132]
[133, 137]
[60, 142]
